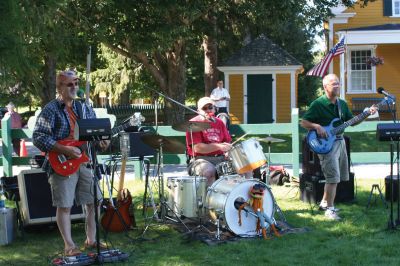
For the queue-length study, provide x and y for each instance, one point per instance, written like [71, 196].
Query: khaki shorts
[78, 186]
[334, 165]
[202, 163]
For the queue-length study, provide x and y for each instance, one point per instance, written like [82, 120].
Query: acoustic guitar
[116, 217]
[66, 166]
[324, 145]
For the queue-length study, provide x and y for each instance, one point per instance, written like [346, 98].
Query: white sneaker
[324, 207]
[332, 215]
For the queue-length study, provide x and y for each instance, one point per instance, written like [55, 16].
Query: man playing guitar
[56, 122]
[334, 164]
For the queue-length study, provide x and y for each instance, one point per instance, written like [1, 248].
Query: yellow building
[372, 57]
[262, 82]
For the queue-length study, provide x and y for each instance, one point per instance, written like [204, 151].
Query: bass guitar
[324, 145]
[66, 166]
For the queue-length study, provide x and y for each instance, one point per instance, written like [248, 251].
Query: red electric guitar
[65, 166]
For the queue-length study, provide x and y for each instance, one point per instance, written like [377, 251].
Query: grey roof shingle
[261, 52]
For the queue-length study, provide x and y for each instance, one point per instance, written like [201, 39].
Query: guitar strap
[79, 106]
[339, 109]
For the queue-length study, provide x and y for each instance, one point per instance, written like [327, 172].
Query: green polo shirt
[322, 111]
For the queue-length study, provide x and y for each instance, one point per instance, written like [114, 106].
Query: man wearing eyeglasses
[209, 145]
[334, 165]
[56, 122]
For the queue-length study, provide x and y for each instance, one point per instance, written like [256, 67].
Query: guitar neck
[356, 119]
[121, 178]
[119, 128]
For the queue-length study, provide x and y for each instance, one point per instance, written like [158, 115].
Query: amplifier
[132, 145]
[388, 191]
[36, 202]
[388, 132]
[312, 189]
[310, 160]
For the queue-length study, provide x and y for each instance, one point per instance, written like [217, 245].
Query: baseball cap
[66, 75]
[204, 101]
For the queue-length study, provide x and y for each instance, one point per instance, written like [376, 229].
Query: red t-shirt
[72, 119]
[217, 133]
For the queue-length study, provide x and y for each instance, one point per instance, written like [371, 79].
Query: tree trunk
[210, 64]
[48, 92]
[175, 83]
[125, 97]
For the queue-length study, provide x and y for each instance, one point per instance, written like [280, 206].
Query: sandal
[93, 245]
[72, 252]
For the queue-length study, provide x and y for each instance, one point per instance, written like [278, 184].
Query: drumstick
[241, 137]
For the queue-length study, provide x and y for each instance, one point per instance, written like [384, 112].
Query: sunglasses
[208, 107]
[72, 84]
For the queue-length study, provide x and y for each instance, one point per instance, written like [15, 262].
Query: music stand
[100, 130]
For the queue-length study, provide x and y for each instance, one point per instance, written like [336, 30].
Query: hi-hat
[169, 145]
[191, 125]
[270, 140]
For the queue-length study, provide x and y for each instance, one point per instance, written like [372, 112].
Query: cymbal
[193, 125]
[169, 145]
[270, 140]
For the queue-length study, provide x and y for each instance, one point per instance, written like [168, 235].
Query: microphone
[381, 90]
[211, 119]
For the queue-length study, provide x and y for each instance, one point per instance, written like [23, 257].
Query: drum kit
[188, 196]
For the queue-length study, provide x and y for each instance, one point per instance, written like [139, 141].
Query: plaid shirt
[53, 122]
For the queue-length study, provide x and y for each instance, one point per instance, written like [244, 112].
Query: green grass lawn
[361, 238]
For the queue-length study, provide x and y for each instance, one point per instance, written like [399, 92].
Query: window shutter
[387, 8]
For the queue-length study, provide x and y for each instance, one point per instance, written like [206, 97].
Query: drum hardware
[269, 140]
[158, 142]
[194, 126]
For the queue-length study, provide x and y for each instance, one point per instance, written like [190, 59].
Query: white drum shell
[182, 195]
[247, 155]
[220, 201]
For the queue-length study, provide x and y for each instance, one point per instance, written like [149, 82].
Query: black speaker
[310, 162]
[388, 191]
[312, 189]
[36, 202]
[132, 143]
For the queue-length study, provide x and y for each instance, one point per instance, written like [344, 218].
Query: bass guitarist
[56, 122]
[334, 164]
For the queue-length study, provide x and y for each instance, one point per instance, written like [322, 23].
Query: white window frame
[393, 3]
[348, 70]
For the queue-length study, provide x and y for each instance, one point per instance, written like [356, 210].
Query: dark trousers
[16, 145]
[221, 110]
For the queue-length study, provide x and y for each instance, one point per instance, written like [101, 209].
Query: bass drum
[221, 198]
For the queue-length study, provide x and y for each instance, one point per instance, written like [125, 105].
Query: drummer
[209, 145]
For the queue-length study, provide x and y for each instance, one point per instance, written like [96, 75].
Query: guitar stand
[115, 209]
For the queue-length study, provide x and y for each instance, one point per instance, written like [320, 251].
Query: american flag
[319, 70]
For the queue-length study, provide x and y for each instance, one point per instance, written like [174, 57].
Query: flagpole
[342, 70]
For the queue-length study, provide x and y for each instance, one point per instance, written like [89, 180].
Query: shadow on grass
[360, 238]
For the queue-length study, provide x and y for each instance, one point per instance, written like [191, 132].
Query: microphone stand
[182, 105]
[391, 223]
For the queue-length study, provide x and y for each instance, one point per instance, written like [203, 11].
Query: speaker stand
[374, 188]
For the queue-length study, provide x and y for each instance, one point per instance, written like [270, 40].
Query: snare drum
[225, 168]
[186, 197]
[247, 156]
[221, 198]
